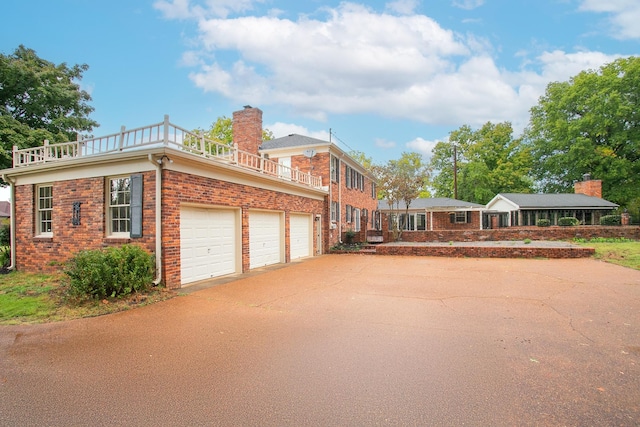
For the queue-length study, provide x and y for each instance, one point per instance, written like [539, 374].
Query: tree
[488, 161]
[40, 100]
[590, 124]
[362, 158]
[222, 131]
[401, 180]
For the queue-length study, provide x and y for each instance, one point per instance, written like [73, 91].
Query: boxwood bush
[610, 220]
[568, 221]
[110, 272]
[543, 222]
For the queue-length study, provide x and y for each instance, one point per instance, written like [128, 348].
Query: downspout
[158, 166]
[12, 221]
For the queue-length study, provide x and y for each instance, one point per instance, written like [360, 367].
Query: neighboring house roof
[553, 201]
[433, 203]
[5, 209]
[293, 140]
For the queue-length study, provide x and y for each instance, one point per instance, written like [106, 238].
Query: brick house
[352, 194]
[430, 214]
[518, 209]
[202, 208]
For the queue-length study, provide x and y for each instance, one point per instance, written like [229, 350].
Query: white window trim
[109, 225]
[39, 211]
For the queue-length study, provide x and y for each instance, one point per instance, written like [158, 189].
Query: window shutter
[136, 205]
[452, 218]
[468, 217]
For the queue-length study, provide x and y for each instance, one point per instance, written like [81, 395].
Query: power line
[333, 134]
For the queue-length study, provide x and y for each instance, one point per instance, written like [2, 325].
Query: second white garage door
[300, 235]
[265, 238]
[207, 243]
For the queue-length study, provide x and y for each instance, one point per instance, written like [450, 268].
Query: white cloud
[624, 16]
[422, 146]
[280, 129]
[383, 143]
[356, 60]
[467, 4]
[402, 7]
[185, 9]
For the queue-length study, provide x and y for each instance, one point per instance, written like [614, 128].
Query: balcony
[163, 134]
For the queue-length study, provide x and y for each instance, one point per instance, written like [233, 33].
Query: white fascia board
[501, 203]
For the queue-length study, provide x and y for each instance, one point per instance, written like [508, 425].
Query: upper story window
[353, 179]
[44, 213]
[119, 211]
[335, 169]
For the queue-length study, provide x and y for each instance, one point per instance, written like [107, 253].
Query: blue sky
[386, 77]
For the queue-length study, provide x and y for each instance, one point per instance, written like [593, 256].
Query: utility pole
[455, 172]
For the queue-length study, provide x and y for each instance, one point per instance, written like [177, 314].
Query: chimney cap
[586, 177]
[246, 107]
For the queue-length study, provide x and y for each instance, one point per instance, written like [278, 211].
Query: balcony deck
[163, 134]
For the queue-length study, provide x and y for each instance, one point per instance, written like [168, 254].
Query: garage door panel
[208, 247]
[300, 236]
[264, 238]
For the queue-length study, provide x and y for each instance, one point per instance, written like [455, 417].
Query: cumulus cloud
[385, 144]
[467, 4]
[422, 146]
[280, 129]
[623, 16]
[352, 59]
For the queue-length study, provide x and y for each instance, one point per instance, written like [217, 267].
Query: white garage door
[207, 243]
[300, 236]
[264, 238]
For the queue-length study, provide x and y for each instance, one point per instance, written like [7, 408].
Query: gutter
[157, 163]
[12, 222]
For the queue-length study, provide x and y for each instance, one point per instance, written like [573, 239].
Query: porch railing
[163, 134]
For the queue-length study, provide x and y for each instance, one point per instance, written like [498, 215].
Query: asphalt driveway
[347, 340]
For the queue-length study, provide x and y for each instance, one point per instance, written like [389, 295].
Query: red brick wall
[520, 233]
[185, 188]
[247, 129]
[46, 254]
[485, 252]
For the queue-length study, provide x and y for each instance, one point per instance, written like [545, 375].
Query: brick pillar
[247, 129]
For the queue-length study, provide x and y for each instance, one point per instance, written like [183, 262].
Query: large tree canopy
[488, 161]
[40, 100]
[590, 124]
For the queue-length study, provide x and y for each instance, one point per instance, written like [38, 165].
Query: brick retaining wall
[520, 233]
[485, 252]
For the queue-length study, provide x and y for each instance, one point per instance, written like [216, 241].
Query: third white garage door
[300, 235]
[265, 238]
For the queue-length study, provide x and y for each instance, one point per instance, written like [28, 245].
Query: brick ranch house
[202, 208]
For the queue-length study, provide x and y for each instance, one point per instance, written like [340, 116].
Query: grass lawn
[623, 252]
[39, 298]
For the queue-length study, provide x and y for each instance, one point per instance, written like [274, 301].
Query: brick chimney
[247, 129]
[588, 186]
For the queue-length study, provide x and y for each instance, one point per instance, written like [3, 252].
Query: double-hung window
[124, 206]
[120, 206]
[44, 203]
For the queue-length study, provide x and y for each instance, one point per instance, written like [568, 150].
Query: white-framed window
[284, 167]
[374, 191]
[356, 219]
[347, 213]
[408, 222]
[335, 209]
[119, 206]
[335, 169]
[44, 210]
[461, 217]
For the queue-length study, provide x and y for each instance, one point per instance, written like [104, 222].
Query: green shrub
[543, 222]
[568, 221]
[5, 257]
[5, 235]
[111, 272]
[610, 220]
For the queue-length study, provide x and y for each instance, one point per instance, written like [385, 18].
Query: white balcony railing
[162, 134]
